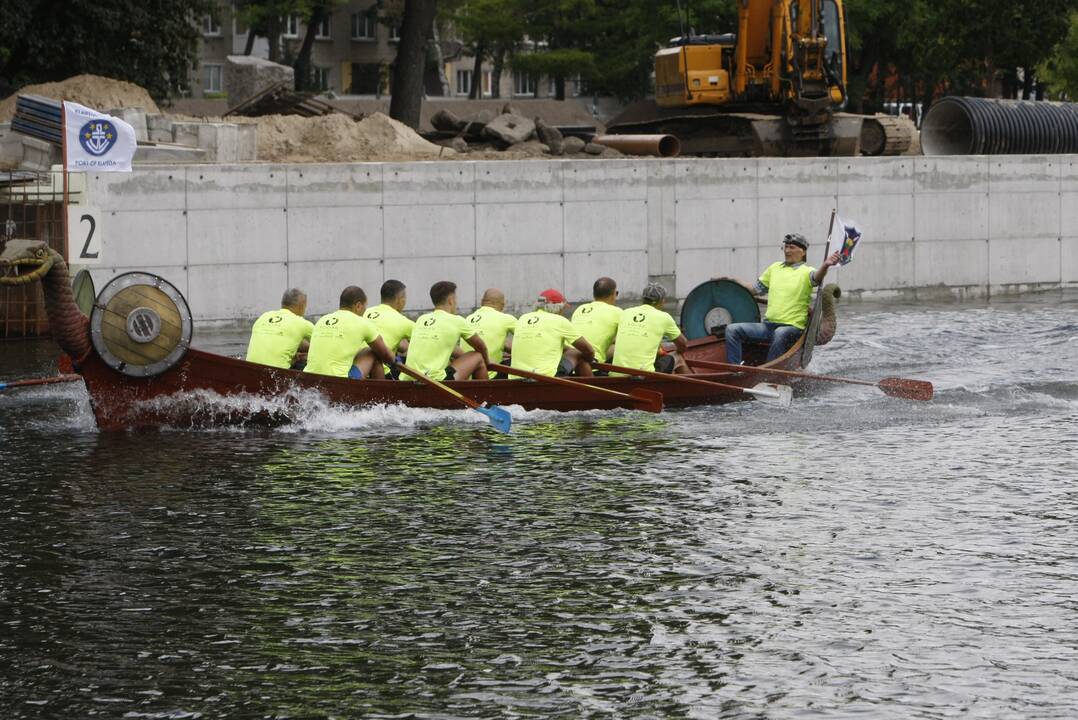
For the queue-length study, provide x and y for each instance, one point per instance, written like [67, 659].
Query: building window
[523, 84]
[211, 26]
[211, 78]
[322, 31]
[362, 26]
[488, 83]
[321, 78]
[464, 82]
[291, 26]
[394, 33]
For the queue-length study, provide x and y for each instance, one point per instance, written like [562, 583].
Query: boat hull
[205, 389]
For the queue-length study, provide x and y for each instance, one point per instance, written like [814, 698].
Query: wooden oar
[640, 399]
[40, 381]
[893, 386]
[499, 417]
[766, 392]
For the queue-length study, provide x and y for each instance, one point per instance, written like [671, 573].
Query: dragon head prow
[19, 255]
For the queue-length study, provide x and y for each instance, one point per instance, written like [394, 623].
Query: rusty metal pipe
[659, 145]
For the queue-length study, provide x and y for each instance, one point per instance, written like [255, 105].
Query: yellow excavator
[775, 88]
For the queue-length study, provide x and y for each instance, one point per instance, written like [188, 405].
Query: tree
[489, 28]
[408, 70]
[1060, 70]
[153, 43]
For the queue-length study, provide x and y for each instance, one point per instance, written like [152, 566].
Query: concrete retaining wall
[232, 238]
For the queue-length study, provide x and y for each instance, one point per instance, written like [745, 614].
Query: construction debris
[281, 99]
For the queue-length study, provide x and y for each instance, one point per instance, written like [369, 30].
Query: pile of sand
[339, 138]
[94, 91]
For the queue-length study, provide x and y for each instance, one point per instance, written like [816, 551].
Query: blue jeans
[782, 337]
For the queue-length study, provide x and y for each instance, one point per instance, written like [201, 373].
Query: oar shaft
[441, 386]
[40, 381]
[575, 384]
[751, 369]
[664, 376]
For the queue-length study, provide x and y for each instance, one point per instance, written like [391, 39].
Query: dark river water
[855, 555]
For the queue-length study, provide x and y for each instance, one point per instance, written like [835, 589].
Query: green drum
[714, 304]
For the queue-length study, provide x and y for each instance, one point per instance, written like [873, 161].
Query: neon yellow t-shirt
[392, 326]
[539, 339]
[598, 323]
[491, 325]
[433, 339]
[789, 291]
[336, 339]
[640, 332]
[276, 336]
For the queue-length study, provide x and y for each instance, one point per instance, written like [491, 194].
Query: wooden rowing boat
[135, 382]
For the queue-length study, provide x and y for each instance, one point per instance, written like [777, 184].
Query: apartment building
[352, 51]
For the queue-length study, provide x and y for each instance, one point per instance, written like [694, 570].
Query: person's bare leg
[580, 366]
[680, 366]
[469, 366]
[369, 365]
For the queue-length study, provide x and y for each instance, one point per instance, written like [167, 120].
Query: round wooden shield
[714, 304]
[83, 289]
[140, 324]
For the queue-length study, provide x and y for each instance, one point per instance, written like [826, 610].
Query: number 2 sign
[84, 235]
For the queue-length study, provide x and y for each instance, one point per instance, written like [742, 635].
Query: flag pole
[63, 165]
[809, 337]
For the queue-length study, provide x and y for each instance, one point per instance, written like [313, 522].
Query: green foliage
[153, 43]
[1060, 69]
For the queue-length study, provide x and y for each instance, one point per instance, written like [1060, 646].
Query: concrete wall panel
[950, 173]
[697, 266]
[158, 188]
[139, 239]
[528, 227]
[797, 177]
[1068, 173]
[1068, 208]
[1024, 260]
[1068, 260]
[662, 217]
[236, 236]
[951, 216]
[875, 176]
[951, 263]
[1024, 215]
[628, 268]
[520, 277]
[429, 230]
[498, 181]
[589, 181]
[334, 233]
[810, 216]
[609, 225]
[323, 282]
[420, 273]
[716, 178]
[1024, 174]
[234, 187]
[892, 266]
[428, 183]
[337, 186]
[882, 218]
[718, 223]
[238, 291]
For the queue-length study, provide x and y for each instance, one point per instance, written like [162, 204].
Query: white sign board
[84, 235]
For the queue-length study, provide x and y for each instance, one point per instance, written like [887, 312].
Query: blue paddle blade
[499, 417]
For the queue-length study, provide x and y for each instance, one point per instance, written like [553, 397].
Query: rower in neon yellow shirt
[279, 338]
[342, 338]
[641, 332]
[433, 348]
[541, 338]
[598, 321]
[392, 325]
[493, 325]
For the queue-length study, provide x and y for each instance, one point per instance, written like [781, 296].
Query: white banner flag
[844, 238]
[96, 142]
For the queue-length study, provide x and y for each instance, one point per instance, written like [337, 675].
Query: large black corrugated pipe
[987, 126]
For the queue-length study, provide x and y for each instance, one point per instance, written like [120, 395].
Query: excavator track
[887, 135]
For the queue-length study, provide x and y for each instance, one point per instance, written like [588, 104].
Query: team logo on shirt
[275, 319]
[585, 310]
[373, 315]
[532, 320]
[333, 321]
[639, 318]
[428, 322]
[474, 319]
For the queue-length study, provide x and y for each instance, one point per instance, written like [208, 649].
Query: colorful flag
[844, 238]
[96, 142]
